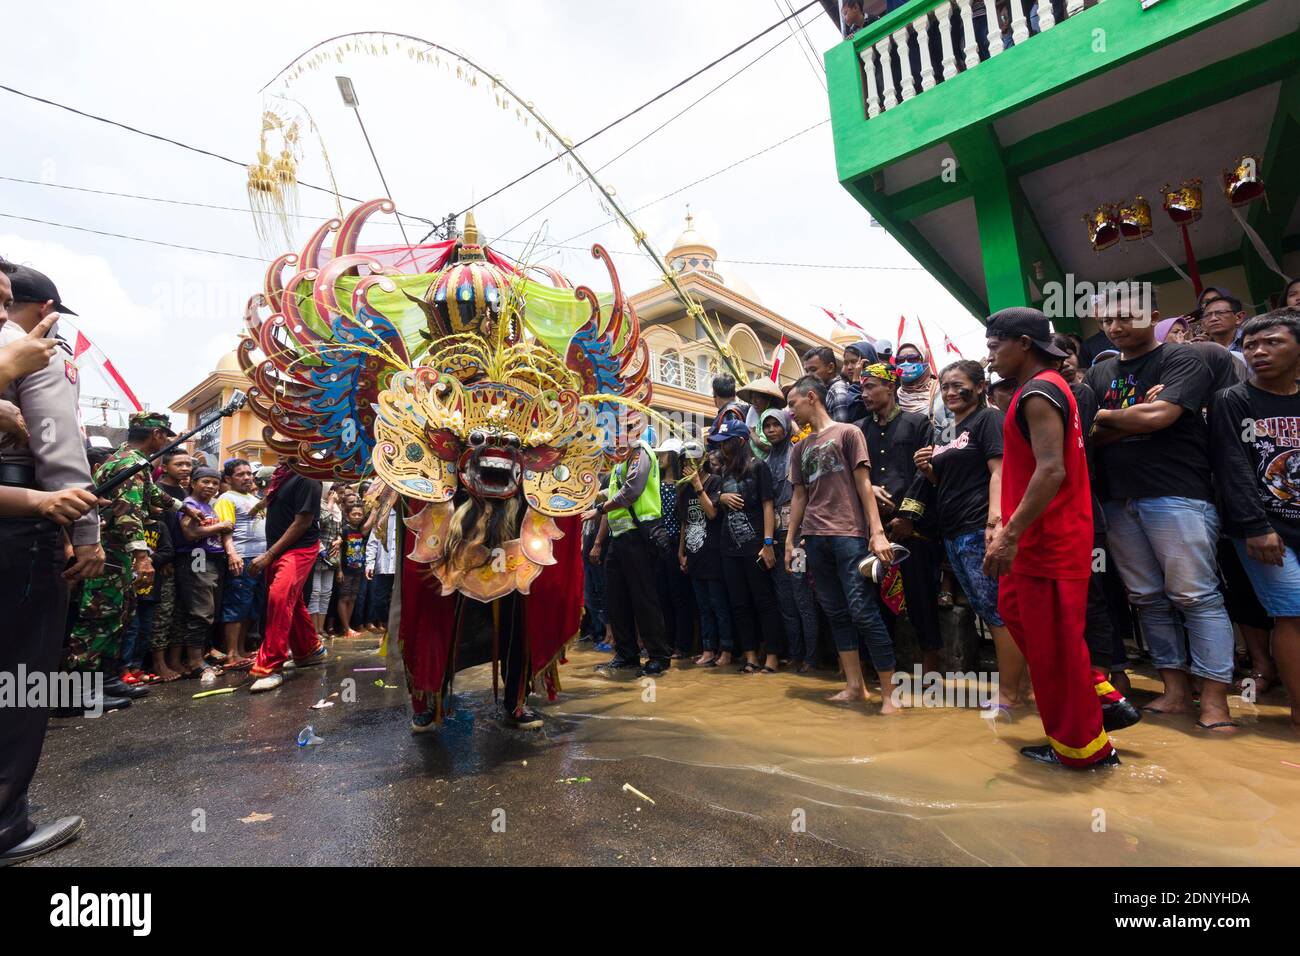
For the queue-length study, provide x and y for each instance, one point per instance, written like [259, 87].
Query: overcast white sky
[192, 71]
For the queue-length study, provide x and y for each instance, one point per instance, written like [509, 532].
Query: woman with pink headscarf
[1172, 330]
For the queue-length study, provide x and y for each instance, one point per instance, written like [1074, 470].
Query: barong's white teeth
[495, 461]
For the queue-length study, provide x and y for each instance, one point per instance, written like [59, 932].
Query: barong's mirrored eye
[477, 437]
[510, 440]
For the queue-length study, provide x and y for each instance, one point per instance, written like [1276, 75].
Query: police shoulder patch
[70, 370]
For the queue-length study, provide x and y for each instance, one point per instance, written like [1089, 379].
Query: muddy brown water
[944, 784]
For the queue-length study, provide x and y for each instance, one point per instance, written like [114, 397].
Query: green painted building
[982, 158]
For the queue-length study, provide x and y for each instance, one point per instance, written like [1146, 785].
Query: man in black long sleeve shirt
[1255, 438]
[893, 438]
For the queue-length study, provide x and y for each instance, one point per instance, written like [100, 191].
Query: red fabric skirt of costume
[428, 628]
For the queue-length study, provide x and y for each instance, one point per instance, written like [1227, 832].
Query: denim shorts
[1278, 589]
[966, 555]
[239, 600]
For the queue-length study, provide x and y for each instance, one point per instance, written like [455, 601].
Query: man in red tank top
[1043, 550]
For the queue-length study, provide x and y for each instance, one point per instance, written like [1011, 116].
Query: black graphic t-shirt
[962, 470]
[1171, 462]
[353, 550]
[1256, 445]
[703, 538]
[742, 531]
[298, 495]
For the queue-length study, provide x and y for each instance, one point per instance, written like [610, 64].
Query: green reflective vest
[648, 507]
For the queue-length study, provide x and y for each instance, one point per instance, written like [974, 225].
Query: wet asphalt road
[222, 781]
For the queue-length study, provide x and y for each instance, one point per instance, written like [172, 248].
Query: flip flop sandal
[239, 664]
[749, 668]
[1217, 724]
[765, 670]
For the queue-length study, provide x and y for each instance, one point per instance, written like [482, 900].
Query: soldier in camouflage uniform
[108, 600]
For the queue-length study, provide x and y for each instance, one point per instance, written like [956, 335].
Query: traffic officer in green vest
[630, 521]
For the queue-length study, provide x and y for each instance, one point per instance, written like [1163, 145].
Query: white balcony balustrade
[949, 38]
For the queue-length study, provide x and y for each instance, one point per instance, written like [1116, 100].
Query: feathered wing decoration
[612, 359]
[317, 392]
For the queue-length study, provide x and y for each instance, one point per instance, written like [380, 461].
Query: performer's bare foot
[1168, 703]
[887, 706]
[851, 695]
[724, 658]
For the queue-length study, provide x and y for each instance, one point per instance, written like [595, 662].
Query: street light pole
[350, 100]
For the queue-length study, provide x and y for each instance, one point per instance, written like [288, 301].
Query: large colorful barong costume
[488, 401]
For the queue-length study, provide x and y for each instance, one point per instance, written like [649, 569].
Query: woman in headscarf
[793, 590]
[1172, 330]
[919, 392]
[1291, 294]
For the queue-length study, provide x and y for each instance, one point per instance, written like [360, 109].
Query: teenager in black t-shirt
[1255, 434]
[1153, 465]
[965, 468]
[748, 526]
[293, 540]
[893, 438]
[699, 552]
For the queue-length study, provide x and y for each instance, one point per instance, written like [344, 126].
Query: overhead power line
[648, 135]
[632, 112]
[193, 149]
[617, 252]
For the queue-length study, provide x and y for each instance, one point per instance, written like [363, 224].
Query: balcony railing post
[972, 52]
[995, 32]
[1046, 18]
[921, 26]
[869, 68]
[943, 22]
[1019, 21]
[884, 48]
[904, 63]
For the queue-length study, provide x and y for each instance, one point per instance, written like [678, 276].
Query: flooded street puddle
[937, 785]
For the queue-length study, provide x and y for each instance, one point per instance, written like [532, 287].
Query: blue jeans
[141, 623]
[795, 598]
[966, 556]
[381, 597]
[854, 617]
[715, 614]
[1164, 549]
[1278, 589]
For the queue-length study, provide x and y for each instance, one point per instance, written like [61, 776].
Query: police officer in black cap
[39, 560]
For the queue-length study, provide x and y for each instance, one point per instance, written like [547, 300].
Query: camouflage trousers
[107, 603]
[164, 631]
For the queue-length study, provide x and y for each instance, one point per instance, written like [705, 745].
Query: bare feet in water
[851, 694]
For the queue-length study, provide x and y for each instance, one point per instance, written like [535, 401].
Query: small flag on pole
[779, 358]
[82, 346]
[948, 346]
[925, 339]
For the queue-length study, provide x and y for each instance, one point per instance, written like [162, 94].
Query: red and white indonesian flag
[841, 320]
[948, 346]
[85, 351]
[779, 358]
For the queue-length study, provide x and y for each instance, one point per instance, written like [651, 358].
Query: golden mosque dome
[691, 252]
[229, 363]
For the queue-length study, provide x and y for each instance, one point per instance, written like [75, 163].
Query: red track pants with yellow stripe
[1046, 618]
